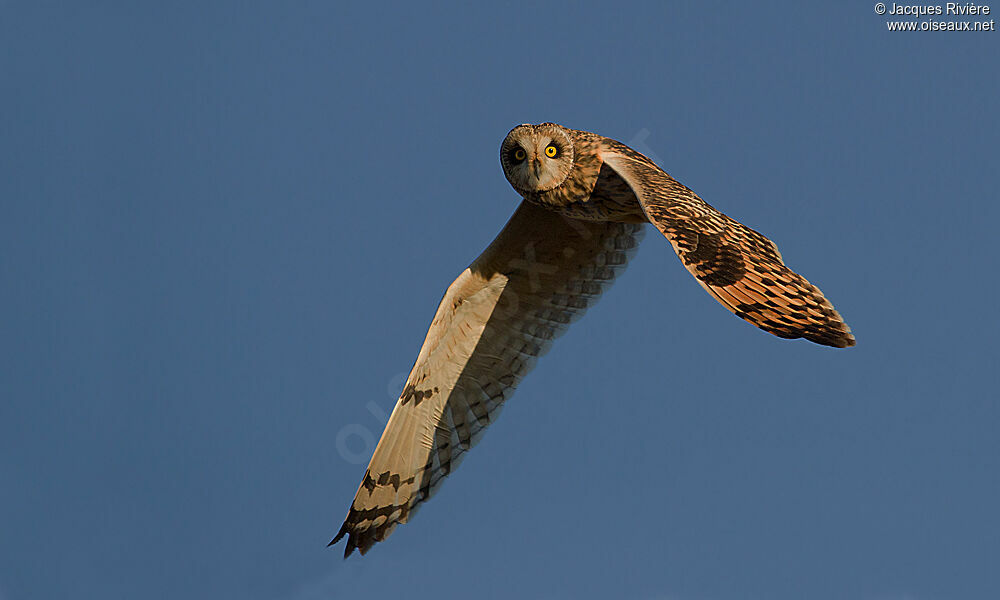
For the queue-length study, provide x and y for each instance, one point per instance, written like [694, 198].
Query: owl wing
[739, 267]
[540, 274]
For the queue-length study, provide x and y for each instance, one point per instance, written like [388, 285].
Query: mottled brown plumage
[585, 198]
[739, 267]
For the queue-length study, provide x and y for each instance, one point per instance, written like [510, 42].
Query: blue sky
[225, 230]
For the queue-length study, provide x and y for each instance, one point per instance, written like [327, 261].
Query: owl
[586, 199]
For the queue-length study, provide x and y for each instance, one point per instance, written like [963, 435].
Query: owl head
[536, 158]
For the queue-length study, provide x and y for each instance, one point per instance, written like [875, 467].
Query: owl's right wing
[540, 273]
[738, 266]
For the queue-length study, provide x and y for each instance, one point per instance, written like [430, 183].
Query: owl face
[536, 158]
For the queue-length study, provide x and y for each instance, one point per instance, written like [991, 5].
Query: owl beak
[536, 166]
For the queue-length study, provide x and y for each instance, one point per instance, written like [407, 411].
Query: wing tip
[845, 341]
[344, 529]
[361, 537]
[352, 544]
[849, 340]
[839, 334]
[836, 337]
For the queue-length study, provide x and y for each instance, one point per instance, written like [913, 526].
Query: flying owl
[585, 201]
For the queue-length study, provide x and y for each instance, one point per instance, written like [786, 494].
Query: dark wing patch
[738, 266]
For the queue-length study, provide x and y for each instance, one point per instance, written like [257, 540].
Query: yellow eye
[551, 151]
[520, 154]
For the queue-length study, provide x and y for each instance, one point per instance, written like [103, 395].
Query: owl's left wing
[540, 274]
[738, 266]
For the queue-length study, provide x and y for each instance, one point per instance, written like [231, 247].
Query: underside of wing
[739, 267]
[502, 313]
